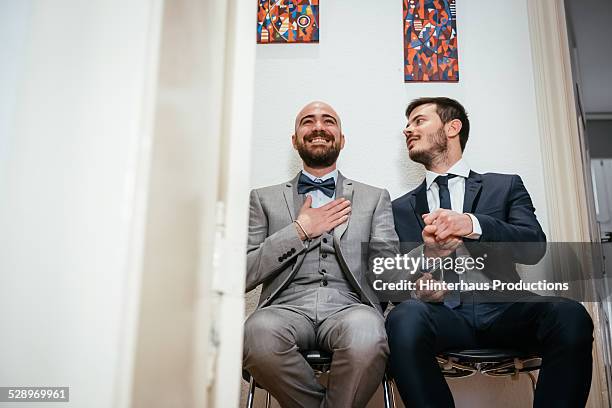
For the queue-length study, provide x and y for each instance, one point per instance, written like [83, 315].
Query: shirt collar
[333, 174]
[461, 168]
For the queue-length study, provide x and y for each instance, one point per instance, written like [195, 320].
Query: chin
[414, 153]
[319, 150]
[419, 156]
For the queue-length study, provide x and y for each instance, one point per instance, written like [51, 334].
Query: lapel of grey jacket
[292, 198]
[344, 188]
[294, 203]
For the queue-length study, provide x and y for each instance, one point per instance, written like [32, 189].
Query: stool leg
[251, 395]
[391, 392]
[387, 393]
[267, 399]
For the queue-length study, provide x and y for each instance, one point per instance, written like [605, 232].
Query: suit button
[325, 240]
[324, 282]
[293, 250]
[324, 256]
[280, 259]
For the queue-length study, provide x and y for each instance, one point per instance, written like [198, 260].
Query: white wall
[14, 20]
[73, 116]
[358, 68]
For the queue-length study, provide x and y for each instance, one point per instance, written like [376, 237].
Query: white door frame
[232, 200]
[185, 325]
[563, 151]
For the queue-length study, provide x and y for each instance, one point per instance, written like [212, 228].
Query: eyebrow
[325, 115]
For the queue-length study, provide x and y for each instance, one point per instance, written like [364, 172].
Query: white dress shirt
[318, 198]
[456, 188]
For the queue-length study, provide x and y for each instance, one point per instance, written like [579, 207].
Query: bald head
[317, 108]
[318, 137]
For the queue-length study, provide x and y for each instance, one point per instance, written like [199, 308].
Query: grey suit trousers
[355, 334]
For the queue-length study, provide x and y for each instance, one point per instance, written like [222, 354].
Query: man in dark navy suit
[457, 212]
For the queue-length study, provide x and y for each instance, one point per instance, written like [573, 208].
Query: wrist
[429, 251]
[469, 225]
[476, 229]
[299, 227]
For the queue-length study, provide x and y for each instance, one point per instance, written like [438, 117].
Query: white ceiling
[590, 23]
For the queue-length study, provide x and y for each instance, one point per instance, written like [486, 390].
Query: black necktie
[305, 185]
[442, 182]
[453, 298]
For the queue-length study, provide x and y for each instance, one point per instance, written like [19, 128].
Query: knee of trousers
[408, 324]
[370, 346]
[264, 342]
[574, 326]
[363, 337]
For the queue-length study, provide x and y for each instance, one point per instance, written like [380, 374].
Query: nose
[407, 131]
[318, 125]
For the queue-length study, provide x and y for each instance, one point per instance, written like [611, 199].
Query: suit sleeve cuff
[476, 229]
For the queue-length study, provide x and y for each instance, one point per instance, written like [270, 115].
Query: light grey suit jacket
[275, 252]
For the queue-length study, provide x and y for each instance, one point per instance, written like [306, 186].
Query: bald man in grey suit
[305, 247]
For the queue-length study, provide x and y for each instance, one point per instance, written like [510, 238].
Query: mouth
[411, 141]
[319, 140]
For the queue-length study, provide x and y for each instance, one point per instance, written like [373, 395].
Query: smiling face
[425, 133]
[318, 137]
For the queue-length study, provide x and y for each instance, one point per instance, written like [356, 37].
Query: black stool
[491, 362]
[320, 361]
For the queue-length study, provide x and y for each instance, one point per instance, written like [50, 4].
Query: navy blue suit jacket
[506, 214]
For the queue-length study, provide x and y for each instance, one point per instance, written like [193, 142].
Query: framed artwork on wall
[287, 21]
[430, 41]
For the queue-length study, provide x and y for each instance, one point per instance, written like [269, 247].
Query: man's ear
[293, 141]
[341, 141]
[453, 127]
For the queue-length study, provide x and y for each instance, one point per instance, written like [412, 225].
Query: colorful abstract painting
[287, 21]
[430, 41]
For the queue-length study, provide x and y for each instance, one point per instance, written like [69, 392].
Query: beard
[438, 148]
[318, 157]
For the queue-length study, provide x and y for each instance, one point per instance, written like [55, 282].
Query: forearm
[266, 259]
[520, 226]
[496, 230]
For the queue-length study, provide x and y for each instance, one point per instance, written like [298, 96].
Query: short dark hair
[447, 109]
